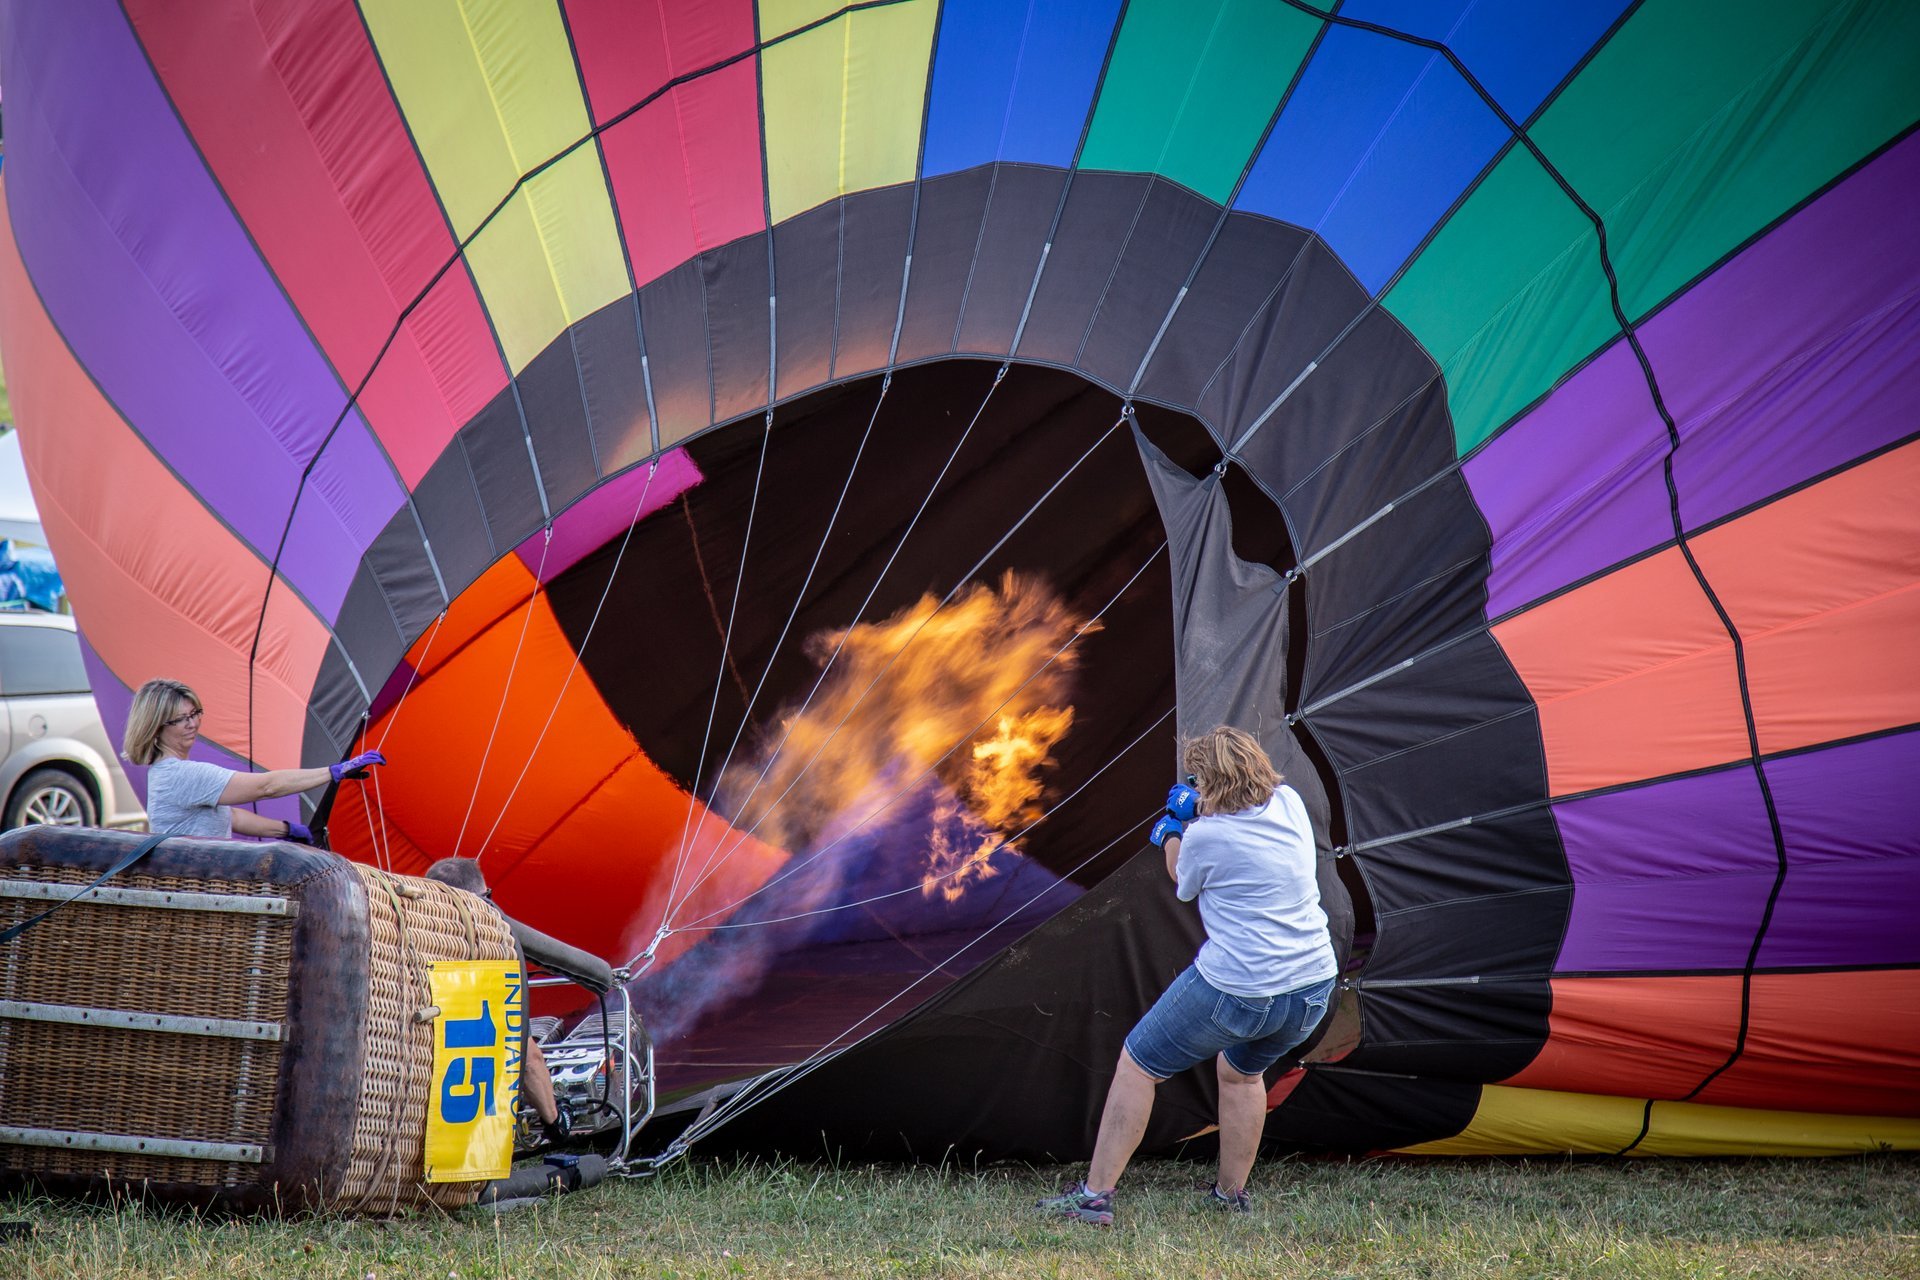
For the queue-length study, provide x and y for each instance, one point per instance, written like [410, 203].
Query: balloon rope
[905, 645]
[920, 886]
[784, 1077]
[799, 863]
[413, 674]
[579, 650]
[499, 710]
[726, 649]
[799, 597]
[667, 911]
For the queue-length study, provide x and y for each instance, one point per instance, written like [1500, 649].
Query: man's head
[1230, 769]
[461, 873]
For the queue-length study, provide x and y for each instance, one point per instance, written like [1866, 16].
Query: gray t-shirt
[183, 799]
[1254, 874]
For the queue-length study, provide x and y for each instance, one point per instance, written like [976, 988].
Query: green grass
[1321, 1219]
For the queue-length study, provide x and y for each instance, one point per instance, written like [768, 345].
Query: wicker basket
[225, 1023]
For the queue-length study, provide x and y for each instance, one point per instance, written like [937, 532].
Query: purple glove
[357, 767]
[1183, 802]
[299, 833]
[1166, 829]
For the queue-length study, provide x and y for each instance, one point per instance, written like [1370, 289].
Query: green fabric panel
[1191, 87]
[1761, 105]
[1508, 295]
[1699, 124]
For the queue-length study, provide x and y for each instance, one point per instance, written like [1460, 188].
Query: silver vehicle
[59, 767]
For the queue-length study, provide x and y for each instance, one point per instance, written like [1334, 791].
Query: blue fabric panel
[1014, 80]
[1519, 49]
[1378, 139]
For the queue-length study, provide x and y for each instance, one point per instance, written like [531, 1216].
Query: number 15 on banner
[476, 1069]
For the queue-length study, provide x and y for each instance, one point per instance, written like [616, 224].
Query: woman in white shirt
[196, 798]
[1244, 847]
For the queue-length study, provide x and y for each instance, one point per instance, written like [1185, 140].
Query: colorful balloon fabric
[773, 477]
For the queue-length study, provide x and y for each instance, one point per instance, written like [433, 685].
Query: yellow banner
[476, 1069]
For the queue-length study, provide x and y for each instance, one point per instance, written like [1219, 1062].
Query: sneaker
[1239, 1202]
[1080, 1204]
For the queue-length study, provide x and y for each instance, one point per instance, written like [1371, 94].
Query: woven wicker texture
[99, 1079]
[412, 923]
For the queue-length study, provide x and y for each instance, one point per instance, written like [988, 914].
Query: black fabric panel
[399, 564]
[333, 711]
[1407, 582]
[496, 449]
[1019, 1053]
[806, 271]
[1514, 852]
[951, 209]
[1011, 238]
[1161, 250]
[607, 347]
[673, 309]
[1315, 301]
[737, 288]
[1240, 271]
[375, 645]
[556, 409]
[450, 510]
[1452, 736]
[879, 227]
[1479, 1031]
[1334, 1110]
[1094, 227]
[1230, 645]
[1367, 427]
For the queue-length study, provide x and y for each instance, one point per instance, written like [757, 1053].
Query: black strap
[140, 851]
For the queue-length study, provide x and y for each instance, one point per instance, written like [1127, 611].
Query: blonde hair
[153, 706]
[1231, 770]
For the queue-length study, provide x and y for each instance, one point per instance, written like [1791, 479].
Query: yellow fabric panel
[1542, 1122]
[843, 105]
[489, 90]
[777, 17]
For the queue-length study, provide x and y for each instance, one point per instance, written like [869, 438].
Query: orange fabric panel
[586, 846]
[1635, 1037]
[1824, 585]
[161, 586]
[1844, 1042]
[1634, 677]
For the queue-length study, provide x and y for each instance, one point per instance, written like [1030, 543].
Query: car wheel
[52, 798]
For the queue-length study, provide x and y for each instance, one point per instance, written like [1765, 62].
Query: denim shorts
[1193, 1020]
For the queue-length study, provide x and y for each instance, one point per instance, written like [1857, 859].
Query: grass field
[1320, 1219]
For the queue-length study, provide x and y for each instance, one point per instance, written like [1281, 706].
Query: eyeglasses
[177, 721]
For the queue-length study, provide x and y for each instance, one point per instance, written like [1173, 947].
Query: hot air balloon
[776, 480]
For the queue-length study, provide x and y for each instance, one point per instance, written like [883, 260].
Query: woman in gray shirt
[196, 798]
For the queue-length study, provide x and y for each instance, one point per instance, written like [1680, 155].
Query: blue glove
[356, 767]
[299, 833]
[1166, 829]
[1183, 802]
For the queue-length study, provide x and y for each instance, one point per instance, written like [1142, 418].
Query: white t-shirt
[183, 799]
[1254, 874]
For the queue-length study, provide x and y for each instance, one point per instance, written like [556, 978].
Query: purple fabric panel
[1574, 486]
[1851, 818]
[1670, 876]
[1792, 359]
[163, 298]
[605, 514]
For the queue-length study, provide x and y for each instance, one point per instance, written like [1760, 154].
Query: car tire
[52, 797]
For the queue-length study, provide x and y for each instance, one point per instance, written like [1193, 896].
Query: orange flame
[974, 694]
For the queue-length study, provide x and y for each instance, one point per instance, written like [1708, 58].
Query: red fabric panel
[630, 48]
[1846, 1043]
[686, 170]
[1824, 585]
[291, 110]
[1635, 1037]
